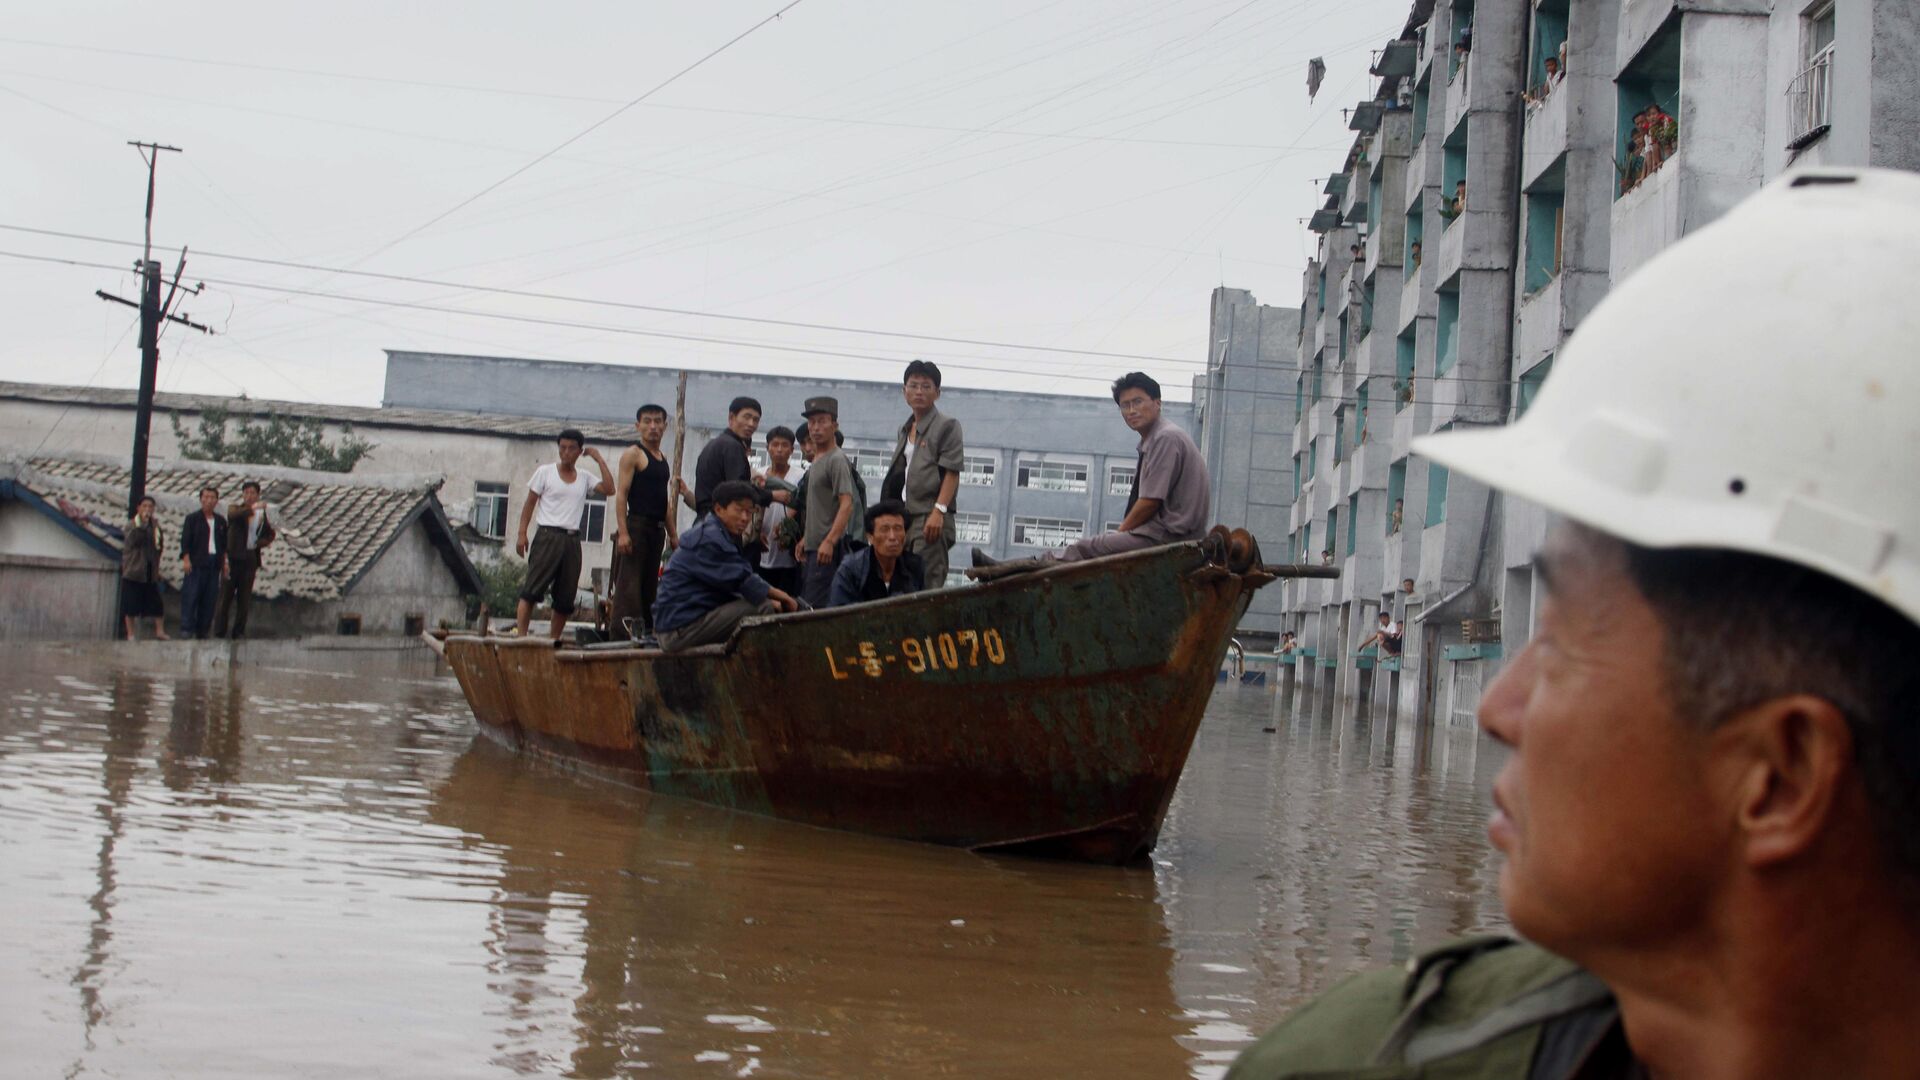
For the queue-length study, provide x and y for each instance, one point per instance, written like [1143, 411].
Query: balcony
[1459, 95]
[1416, 173]
[1411, 296]
[1546, 134]
[1450, 253]
[1810, 101]
[1647, 219]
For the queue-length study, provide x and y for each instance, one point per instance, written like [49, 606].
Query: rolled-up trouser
[715, 626]
[1092, 547]
[553, 567]
[816, 581]
[932, 556]
[636, 577]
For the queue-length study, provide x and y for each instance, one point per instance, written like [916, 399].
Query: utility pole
[153, 315]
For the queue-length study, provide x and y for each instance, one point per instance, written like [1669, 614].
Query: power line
[574, 138]
[736, 342]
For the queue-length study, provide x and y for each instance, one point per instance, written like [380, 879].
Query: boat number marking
[934, 652]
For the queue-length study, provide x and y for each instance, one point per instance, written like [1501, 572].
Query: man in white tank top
[557, 501]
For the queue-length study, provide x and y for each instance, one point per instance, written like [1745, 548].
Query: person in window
[1413, 252]
[1171, 489]
[1289, 644]
[710, 586]
[884, 567]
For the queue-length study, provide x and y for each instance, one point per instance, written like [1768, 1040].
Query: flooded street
[271, 872]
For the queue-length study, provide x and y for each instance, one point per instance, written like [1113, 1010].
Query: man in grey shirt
[925, 474]
[1171, 490]
[829, 503]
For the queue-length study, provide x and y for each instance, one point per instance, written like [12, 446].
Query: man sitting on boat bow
[709, 585]
[884, 567]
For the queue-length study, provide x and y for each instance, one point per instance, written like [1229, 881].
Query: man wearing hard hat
[1711, 813]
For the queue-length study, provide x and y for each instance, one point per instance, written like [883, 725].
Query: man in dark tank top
[645, 524]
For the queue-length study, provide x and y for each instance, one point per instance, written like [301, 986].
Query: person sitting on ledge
[709, 586]
[884, 567]
[1170, 497]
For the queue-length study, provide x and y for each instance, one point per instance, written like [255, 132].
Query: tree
[289, 441]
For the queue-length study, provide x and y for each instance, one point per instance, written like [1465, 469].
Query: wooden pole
[679, 443]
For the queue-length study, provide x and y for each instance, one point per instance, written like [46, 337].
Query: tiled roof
[331, 526]
[526, 427]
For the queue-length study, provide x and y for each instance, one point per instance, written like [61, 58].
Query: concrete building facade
[1659, 117]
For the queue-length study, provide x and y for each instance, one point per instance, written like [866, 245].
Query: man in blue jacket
[709, 585]
[884, 567]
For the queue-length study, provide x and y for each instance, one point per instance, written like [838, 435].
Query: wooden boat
[1047, 713]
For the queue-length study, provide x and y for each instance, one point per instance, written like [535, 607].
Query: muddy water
[266, 871]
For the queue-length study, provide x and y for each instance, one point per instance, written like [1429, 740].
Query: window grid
[1047, 532]
[490, 509]
[593, 519]
[1051, 476]
[978, 471]
[871, 464]
[973, 528]
[1120, 479]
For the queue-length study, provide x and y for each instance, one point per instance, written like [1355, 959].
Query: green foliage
[288, 441]
[501, 581]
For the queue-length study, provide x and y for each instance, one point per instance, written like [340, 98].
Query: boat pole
[679, 443]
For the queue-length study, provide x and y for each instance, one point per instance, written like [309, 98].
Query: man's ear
[1789, 758]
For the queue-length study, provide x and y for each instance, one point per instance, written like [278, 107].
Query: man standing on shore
[829, 502]
[925, 474]
[645, 524]
[557, 497]
[203, 555]
[248, 534]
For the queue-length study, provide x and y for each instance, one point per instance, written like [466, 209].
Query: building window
[1648, 104]
[1436, 494]
[1403, 370]
[1047, 532]
[1810, 95]
[1333, 532]
[1544, 216]
[871, 463]
[1453, 174]
[1360, 415]
[1339, 434]
[490, 509]
[1120, 479]
[1396, 496]
[1530, 383]
[1447, 331]
[957, 578]
[973, 528]
[1113, 526]
[1051, 475]
[1319, 370]
[593, 520]
[1416, 228]
[978, 470]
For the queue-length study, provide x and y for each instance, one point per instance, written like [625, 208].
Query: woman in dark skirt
[140, 572]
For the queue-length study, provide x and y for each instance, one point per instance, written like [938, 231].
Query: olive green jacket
[1478, 1008]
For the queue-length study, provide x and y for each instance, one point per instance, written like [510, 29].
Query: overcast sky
[1074, 174]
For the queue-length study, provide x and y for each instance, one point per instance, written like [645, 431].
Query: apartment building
[1514, 160]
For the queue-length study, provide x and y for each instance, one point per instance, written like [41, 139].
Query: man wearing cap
[1711, 810]
[925, 474]
[829, 502]
[709, 585]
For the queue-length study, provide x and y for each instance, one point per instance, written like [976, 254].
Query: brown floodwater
[312, 866]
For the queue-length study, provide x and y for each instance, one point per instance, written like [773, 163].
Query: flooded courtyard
[302, 865]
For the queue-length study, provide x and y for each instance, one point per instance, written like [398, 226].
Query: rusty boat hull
[1049, 713]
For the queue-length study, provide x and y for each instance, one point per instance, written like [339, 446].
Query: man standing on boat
[829, 502]
[884, 567]
[777, 562]
[925, 473]
[645, 524]
[1171, 491]
[557, 498]
[1711, 809]
[729, 456]
[710, 585]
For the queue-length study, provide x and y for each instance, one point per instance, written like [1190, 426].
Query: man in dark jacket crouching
[709, 585]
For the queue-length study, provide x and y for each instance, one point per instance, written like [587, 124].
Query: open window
[1447, 330]
[1546, 215]
[1403, 370]
[1647, 117]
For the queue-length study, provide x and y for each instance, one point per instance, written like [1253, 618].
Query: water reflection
[261, 871]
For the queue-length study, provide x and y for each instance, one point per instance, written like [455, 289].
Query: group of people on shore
[784, 538]
[219, 558]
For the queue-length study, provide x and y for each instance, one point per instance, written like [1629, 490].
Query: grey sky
[1073, 174]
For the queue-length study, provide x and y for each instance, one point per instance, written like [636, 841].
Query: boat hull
[1049, 713]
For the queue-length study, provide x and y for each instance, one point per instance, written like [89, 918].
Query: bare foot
[161, 636]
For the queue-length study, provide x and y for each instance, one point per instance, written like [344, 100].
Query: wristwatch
[940, 507]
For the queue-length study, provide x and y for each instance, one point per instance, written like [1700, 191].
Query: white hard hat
[1755, 387]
